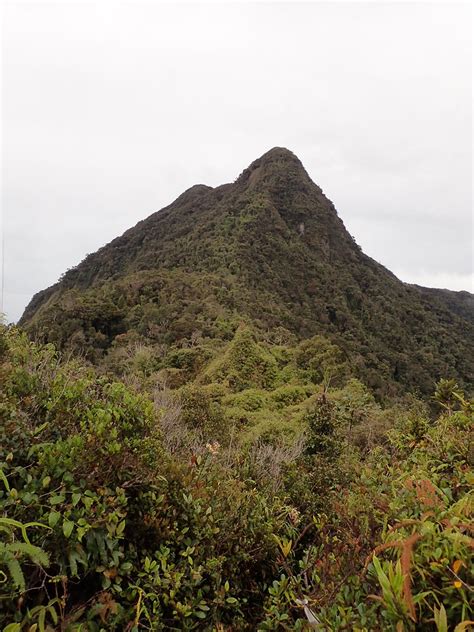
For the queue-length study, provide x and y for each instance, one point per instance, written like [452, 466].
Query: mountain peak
[268, 249]
[276, 162]
[279, 153]
[194, 192]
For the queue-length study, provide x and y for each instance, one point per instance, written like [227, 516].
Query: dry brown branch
[403, 523]
[406, 557]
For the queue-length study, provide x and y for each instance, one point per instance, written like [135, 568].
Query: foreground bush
[105, 527]
[393, 551]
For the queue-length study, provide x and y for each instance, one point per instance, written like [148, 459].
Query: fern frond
[35, 553]
[16, 573]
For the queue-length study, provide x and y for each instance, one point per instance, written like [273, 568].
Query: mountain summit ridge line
[268, 248]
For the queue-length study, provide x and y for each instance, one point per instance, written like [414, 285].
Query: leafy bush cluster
[392, 550]
[101, 528]
[128, 510]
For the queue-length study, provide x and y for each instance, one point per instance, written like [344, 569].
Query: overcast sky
[111, 110]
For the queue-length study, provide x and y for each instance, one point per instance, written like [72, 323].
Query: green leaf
[54, 614]
[53, 518]
[441, 619]
[4, 479]
[73, 563]
[41, 619]
[68, 526]
[88, 502]
[57, 500]
[120, 528]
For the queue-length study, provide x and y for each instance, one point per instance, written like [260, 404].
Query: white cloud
[442, 280]
[111, 110]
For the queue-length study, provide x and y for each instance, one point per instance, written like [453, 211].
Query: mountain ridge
[273, 250]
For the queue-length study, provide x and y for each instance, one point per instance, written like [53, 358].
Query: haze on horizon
[110, 111]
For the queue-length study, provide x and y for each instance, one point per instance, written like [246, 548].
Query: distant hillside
[268, 250]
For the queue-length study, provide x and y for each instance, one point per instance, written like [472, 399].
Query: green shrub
[289, 395]
[244, 364]
[111, 530]
[104, 527]
[249, 400]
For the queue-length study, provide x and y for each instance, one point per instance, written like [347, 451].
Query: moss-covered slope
[268, 250]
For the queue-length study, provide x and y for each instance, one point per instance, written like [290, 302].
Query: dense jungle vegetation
[264, 496]
[268, 250]
[229, 419]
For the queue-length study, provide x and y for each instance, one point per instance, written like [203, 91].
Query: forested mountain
[240, 427]
[268, 250]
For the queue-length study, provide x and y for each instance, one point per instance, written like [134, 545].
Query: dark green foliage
[322, 361]
[289, 395]
[99, 525]
[394, 553]
[104, 528]
[199, 410]
[264, 463]
[245, 363]
[322, 432]
[268, 250]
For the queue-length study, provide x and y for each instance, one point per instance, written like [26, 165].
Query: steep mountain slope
[269, 250]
